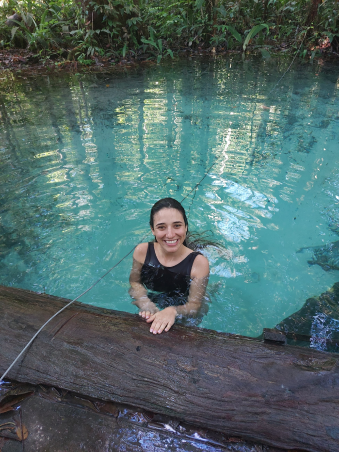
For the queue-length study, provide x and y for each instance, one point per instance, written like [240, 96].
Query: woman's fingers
[161, 329]
[145, 314]
[150, 318]
[162, 320]
[157, 327]
[154, 327]
[169, 326]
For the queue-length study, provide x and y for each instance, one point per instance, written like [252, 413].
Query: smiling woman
[168, 279]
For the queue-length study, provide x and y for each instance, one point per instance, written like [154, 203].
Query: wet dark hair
[168, 203]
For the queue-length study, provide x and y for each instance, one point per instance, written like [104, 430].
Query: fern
[253, 32]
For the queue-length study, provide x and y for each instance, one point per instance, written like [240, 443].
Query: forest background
[111, 30]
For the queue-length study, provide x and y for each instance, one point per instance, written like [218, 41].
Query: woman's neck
[170, 259]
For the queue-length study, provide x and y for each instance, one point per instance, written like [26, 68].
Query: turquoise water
[84, 157]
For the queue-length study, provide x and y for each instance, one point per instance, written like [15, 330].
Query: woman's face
[169, 229]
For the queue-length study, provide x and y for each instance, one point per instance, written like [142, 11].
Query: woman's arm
[163, 320]
[137, 290]
[199, 275]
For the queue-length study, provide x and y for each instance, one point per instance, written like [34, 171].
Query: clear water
[84, 157]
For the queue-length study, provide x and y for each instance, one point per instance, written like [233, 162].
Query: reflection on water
[84, 157]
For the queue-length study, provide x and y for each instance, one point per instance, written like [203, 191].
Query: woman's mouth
[171, 242]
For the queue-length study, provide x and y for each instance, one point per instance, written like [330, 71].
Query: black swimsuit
[171, 283]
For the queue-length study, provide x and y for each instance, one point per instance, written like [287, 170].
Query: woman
[176, 275]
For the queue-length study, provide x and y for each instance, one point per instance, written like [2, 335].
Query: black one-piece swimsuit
[169, 286]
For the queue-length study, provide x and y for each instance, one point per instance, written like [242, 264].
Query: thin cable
[217, 158]
[192, 200]
[66, 306]
[115, 265]
[206, 174]
[289, 67]
[90, 288]
[222, 153]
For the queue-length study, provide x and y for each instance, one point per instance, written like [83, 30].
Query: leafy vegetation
[115, 29]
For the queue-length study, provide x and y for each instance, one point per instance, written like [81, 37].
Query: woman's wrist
[145, 304]
[177, 314]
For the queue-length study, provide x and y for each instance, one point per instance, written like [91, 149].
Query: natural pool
[84, 157]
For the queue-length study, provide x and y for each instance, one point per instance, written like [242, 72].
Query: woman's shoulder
[140, 252]
[200, 267]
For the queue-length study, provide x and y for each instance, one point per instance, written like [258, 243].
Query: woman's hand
[162, 320]
[148, 309]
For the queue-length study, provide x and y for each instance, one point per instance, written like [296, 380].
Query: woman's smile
[171, 242]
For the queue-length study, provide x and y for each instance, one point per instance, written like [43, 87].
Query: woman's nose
[170, 232]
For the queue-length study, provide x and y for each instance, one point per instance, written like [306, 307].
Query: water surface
[84, 157]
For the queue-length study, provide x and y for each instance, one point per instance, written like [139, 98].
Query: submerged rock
[327, 256]
[316, 323]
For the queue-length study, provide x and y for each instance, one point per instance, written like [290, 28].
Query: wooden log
[283, 396]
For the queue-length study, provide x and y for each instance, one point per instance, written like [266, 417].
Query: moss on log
[282, 396]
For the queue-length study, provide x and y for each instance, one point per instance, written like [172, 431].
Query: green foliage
[87, 28]
[255, 30]
[265, 54]
[155, 46]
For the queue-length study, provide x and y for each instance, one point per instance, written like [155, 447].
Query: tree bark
[313, 12]
[281, 396]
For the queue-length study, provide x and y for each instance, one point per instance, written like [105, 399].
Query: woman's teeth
[171, 241]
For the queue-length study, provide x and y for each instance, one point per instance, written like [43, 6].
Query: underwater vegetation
[327, 256]
[317, 322]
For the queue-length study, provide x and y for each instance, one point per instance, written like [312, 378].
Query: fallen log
[44, 418]
[282, 396]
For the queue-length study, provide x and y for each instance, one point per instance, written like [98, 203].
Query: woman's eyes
[162, 228]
